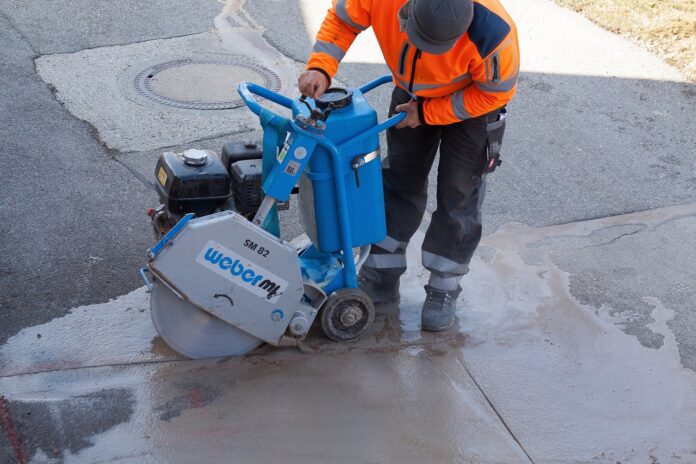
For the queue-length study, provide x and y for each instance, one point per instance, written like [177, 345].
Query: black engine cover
[246, 186]
[240, 151]
[184, 188]
[244, 163]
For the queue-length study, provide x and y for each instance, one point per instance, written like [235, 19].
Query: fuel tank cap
[335, 98]
[194, 157]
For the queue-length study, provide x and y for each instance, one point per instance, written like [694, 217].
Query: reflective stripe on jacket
[476, 76]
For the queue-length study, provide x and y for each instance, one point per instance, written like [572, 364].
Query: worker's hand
[312, 83]
[411, 120]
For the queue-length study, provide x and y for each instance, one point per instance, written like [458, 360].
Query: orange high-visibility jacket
[476, 76]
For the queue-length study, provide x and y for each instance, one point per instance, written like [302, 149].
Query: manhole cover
[202, 84]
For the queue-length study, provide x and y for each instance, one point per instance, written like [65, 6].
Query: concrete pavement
[575, 341]
[530, 373]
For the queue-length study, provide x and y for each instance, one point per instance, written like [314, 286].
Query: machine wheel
[195, 333]
[347, 314]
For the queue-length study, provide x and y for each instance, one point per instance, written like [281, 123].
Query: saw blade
[195, 333]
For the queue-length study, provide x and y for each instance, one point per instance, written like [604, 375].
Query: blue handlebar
[246, 89]
[375, 83]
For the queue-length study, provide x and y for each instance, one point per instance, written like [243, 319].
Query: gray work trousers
[455, 229]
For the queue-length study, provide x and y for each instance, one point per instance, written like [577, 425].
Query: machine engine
[244, 164]
[197, 181]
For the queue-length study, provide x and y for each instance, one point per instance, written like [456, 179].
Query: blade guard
[235, 271]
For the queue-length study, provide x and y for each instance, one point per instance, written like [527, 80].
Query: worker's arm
[343, 22]
[494, 85]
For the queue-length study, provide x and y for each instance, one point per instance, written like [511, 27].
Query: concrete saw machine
[221, 280]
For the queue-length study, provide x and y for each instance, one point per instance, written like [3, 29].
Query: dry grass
[666, 27]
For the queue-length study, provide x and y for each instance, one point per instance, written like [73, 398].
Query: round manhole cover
[202, 84]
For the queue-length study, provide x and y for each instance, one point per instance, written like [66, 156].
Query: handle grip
[393, 121]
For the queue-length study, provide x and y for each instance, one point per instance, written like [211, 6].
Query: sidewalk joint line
[189, 142]
[495, 410]
[322, 350]
[617, 214]
[615, 239]
[97, 366]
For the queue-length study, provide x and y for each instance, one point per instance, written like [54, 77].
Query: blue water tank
[366, 201]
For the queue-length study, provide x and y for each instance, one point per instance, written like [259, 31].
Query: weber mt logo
[244, 273]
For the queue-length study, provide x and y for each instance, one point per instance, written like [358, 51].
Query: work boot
[380, 293]
[438, 309]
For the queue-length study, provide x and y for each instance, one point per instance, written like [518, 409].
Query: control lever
[356, 163]
[314, 113]
[360, 161]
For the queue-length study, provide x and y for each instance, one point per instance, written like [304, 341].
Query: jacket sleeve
[494, 82]
[343, 22]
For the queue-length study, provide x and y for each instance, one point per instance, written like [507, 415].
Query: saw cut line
[166, 83]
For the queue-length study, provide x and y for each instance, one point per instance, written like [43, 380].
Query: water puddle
[569, 381]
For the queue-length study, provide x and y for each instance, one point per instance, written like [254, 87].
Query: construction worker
[455, 65]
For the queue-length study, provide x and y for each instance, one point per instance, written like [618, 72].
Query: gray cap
[434, 26]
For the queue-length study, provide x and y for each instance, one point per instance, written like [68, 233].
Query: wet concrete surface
[530, 367]
[370, 407]
[616, 268]
[396, 396]
[64, 425]
[563, 361]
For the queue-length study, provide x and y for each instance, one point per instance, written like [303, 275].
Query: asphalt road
[73, 226]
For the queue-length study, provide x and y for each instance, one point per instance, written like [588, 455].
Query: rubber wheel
[347, 314]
